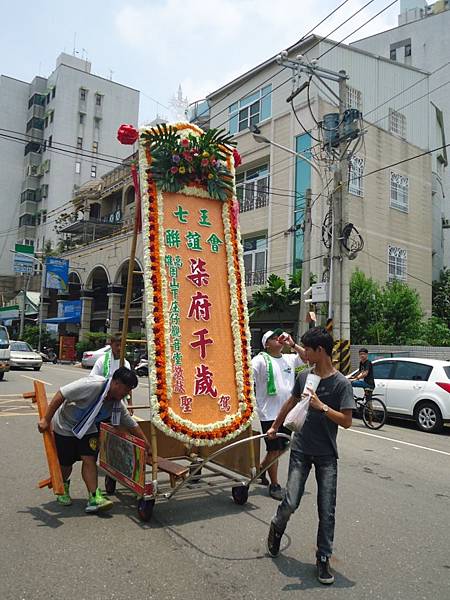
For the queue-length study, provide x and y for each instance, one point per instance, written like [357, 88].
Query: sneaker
[65, 499]
[324, 574]
[97, 503]
[262, 479]
[275, 491]
[273, 541]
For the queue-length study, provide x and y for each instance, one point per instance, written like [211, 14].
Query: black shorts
[70, 449]
[277, 443]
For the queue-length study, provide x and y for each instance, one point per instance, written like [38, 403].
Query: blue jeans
[326, 476]
[361, 384]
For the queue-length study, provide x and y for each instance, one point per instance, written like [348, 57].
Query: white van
[5, 352]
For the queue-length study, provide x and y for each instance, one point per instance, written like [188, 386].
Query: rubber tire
[145, 509]
[2, 374]
[240, 494]
[382, 422]
[36, 368]
[110, 484]
[438, 426]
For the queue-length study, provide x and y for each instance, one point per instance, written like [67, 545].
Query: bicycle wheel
[374, 413]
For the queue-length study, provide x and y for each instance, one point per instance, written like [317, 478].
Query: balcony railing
[253, 195]
[255, 278]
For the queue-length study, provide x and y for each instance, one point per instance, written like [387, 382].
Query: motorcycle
[141, 369]
[49, 355]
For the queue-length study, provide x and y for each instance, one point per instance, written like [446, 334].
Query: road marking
[10, 395]
[73, 370]
[382, 437]
[18, 399]
[10, 414]
[36, 379]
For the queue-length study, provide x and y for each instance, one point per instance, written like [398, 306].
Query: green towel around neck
[271, 387]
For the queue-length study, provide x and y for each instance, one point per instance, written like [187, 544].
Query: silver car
[23, 356]
[90, 357]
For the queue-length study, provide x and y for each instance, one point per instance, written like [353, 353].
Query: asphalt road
[392, 536]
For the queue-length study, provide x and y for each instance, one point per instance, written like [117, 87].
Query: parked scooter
[49, 355]
[141, 369]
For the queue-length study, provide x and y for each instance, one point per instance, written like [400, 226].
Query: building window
[83, 94]
[36, 99]
[78, 167]
[35, 123]
[44, 216]
[354, 98]
[397, 123]
[255, 257]
[82, 116]
[93, 171]
[355, 177]
[407, 50]
[98, 99]
[51, 116]
[397, 263]
[399, 192]
[54, 92]
[79, 143]
[50, 140]
[250, 110]
[95, 147]
[252, 188]
[27, 219]
[48, 98]
[393, 54]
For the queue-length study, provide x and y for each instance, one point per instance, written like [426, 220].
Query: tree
[433, 332]
[275, 297]
[401, 312]
[31, 335]
[365, 309]
[441, 296]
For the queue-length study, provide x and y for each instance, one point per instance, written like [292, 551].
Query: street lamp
[261, 139]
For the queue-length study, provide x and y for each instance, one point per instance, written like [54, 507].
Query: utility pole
[306, 264]
[24, 305]
[339, 267]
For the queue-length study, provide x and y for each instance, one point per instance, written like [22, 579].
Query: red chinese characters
[186, 404]
[202, 341]
[199, 308]
[198, 275]
[204, 382]
[224, 403]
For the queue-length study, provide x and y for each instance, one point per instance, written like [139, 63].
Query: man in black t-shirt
[364, 377]
[315, 446]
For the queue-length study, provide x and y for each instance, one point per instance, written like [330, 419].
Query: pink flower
[187, 156]
[205, 162]
[185, 143]
[174, 170]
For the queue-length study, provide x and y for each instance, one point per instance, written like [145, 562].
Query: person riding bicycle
[364, 376]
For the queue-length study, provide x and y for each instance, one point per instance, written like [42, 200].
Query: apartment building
[55, 134]
[421, 39]
[391, 209]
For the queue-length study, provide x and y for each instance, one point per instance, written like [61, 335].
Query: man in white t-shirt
[274, 376]
[106, 365]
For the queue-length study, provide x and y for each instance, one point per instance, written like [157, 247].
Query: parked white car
[414, 388]
[90, 357]
[23, 356]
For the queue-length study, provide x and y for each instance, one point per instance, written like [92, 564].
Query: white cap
[269, 334]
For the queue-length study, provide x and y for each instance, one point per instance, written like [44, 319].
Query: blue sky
[155, 45]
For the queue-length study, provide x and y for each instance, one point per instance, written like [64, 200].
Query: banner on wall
[56, 273]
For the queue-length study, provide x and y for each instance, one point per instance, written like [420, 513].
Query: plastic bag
[296, 417]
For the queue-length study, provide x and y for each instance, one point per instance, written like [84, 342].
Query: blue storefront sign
[56, 273]
[69, 311]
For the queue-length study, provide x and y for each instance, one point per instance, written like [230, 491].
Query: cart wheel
[145, 509]
[240, 494]
[110, 484]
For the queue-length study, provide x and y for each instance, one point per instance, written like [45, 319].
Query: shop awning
[59, 320]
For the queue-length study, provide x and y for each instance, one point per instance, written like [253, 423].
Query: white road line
[382, 437]
[36, 379]
[10, 395]
[12, 400]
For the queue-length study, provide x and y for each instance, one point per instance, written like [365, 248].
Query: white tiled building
[55, 133]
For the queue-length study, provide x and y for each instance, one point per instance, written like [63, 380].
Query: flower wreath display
[182, 159]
